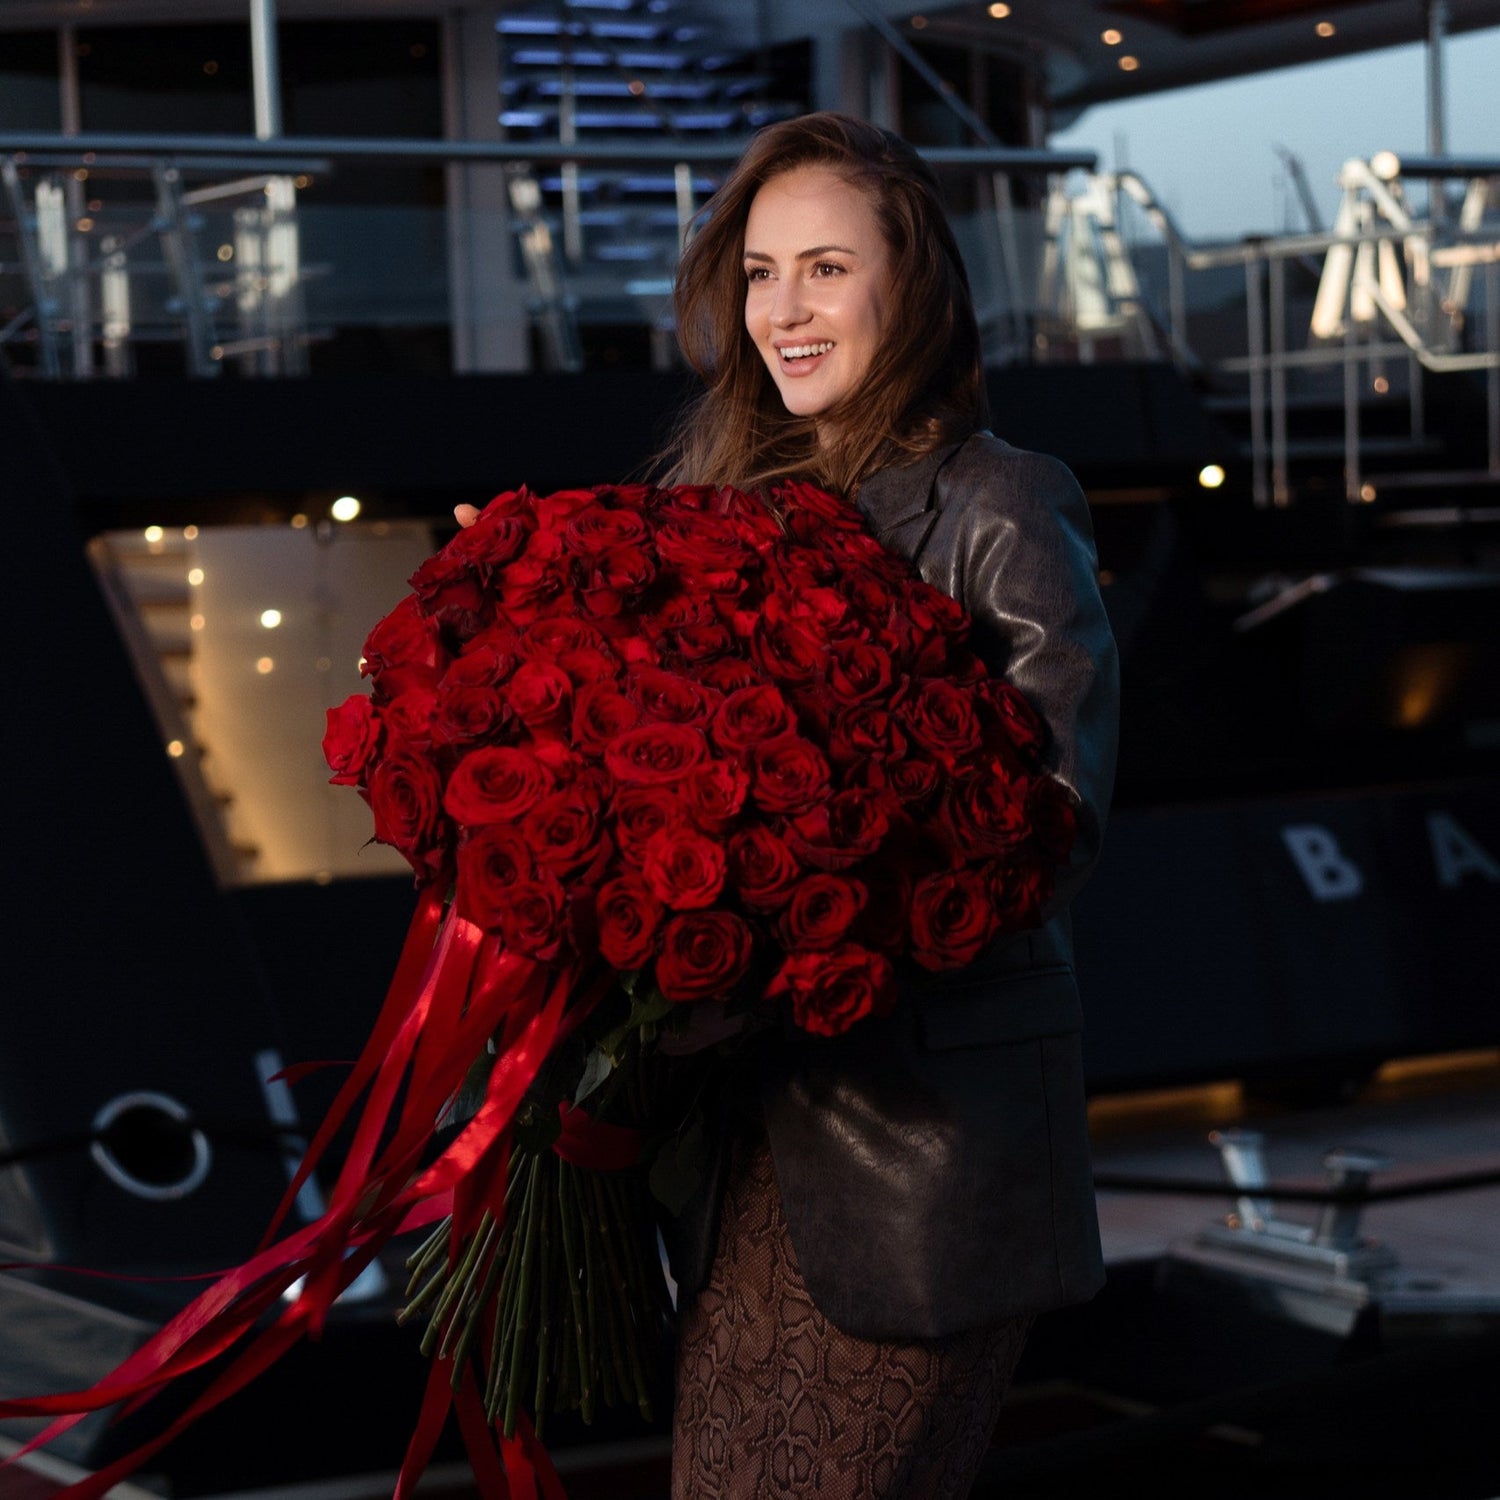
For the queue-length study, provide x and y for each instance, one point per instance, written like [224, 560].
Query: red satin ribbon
[454, 987]
[596, 1144]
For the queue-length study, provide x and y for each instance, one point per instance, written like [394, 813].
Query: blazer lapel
[900, 504]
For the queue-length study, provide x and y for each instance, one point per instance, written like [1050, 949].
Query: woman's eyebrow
[812, 254]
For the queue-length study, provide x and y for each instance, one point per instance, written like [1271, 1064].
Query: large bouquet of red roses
[644, 748]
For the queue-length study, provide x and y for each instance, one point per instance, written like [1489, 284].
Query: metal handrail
[598, 153]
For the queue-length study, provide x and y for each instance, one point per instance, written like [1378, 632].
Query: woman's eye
[756, 273]
[826, 268]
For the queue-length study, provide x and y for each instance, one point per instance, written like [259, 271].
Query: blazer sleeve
[1027, 572]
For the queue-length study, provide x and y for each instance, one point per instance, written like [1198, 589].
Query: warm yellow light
[1129, 64]
[226, 252]
[1325, 28]
[175, 748]
[270, 618]
[195, 576]
[84, 225]
[999, 12]
[1367, 492]
[918, 22]
[1211, 476]
[265, 665]
[210, 67]
[197, 622]
[637, 87]
[154, 533]
[81, 174]
[1111, 38]
[190, 533]
[1382, 385]
[345, 508]
[299, 521]
[1386, 165]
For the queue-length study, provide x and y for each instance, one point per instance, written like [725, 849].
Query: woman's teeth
[804, 351]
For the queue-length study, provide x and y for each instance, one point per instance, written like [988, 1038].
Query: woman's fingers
[466, 515]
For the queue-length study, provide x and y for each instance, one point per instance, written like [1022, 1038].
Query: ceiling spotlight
[270, 618]
[154, 533]
[999, 12]
[265, 665]
[1111, 38]
[345, 508]
[1211, 476]
[1325, 28]
[1129, 64]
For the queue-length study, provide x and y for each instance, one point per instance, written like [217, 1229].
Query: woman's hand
[466, 515]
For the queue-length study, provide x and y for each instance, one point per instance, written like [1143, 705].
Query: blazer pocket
[1009, 1008]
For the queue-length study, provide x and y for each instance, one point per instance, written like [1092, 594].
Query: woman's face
[818, 276]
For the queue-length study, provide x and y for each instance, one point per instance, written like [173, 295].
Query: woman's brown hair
[926, 383]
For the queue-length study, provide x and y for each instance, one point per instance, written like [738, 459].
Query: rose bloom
[763, 871]
[352, 740]
[953, 919]
[406, 801]
[703, 954]
[629, 918]
[830, 991]
[496, 784]
[683, 869]
[822, 910]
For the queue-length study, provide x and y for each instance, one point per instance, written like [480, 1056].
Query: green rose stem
[628, 1369]
[544, 1294]
[455, 1283]
[532, 1229]
[475, 1316]
[594, 1368]
[463, 1306]
[575, 1271]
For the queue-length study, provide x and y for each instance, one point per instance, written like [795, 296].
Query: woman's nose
[789, 307]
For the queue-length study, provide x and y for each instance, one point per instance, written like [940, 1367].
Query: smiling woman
[816, 311]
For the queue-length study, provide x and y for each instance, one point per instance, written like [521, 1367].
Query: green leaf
[677, 1172]
[645, 1010]
[596, 1069]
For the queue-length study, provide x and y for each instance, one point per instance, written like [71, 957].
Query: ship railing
[1393, 288]
[243, 252]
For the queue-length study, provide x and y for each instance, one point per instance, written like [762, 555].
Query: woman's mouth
[802, 359]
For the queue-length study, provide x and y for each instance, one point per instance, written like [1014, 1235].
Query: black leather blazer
[934, 1166]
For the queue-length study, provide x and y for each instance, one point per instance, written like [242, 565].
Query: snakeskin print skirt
[774, 1402]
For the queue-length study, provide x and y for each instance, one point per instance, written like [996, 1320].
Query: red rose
[532, 921]
[497, 536]
[952, 919]
[1020, 723]
[600, 713]
[987, 813]
[859, 672]
[640, 812]
[566, 828]
[762, 869]
[703, 954]
[749, 717]
[595, 530]
[352, 740]
[788, 774]
[704, 643]
[831, 991]
[913, 779]
[866, 733]
[727, 674]
[450, 592]
[941, 718]
[541, 696]
[656, 754]
[468, 715]
[404, 651]
[534, 582]
[486, 661]
[668, 698]
[629, 918]
[840, 830]
[406, 799]
[885, 923]
[492, 864]
[496, 784]
[822, 910]
[408, 719]
[618, 579]
[683, 869]
[786, 648]
[714, 794]
[794, 495]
